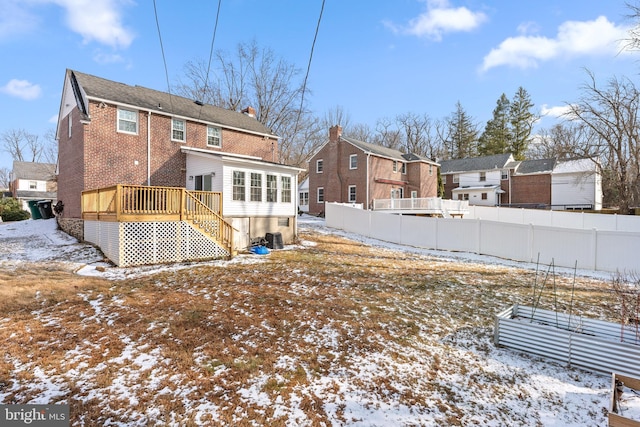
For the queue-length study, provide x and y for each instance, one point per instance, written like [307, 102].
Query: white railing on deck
[428, 204]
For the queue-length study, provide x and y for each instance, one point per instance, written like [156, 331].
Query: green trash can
[35, 209]
[45, 209]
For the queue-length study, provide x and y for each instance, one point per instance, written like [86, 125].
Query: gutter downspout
[149, 148]
[369, 204]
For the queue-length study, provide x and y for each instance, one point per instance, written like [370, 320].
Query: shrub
[10, 210]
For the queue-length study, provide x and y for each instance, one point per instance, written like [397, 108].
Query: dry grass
[235, 345]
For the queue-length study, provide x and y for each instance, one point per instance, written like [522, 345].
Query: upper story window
[178, 130]
[70, 125]
[238, 186]
[395, 166]
[504, 174]
[286, 189]
[456, 178]
[430, 170]
[33, 185]
[256, 187]
[213, 136]
[272, 188]
[319, 165]
[127, 121]
[403, 168]
[353, 161]
[483, 176]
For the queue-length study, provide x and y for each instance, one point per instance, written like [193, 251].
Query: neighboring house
[499, 180]
[303, 195]
[111, 133]
[33, 182]
[346, 170]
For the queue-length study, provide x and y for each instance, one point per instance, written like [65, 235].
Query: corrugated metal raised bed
[590, 344]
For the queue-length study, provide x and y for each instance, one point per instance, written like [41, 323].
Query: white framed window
[319, 166]
[127, 121]
[403, 168]
[272, 188]
[353, 161]
[320, 195]
[395, 166]
[483, 176]
[465, 196]
[352, 194]
[504, 174]
[33, 185]
[456, 178]
[178, 130]
[238, 186]
[414, 194]
[70, 125]
[430, 170]
[304, 198]
[256, 187]
[285, 196]
[484, 196]
[213, 136]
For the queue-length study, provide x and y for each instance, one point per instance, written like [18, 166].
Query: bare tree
[388, 135]
[13, 142]
[610, 118]
[23, 146]
[254, 77]
[562, 141]
[5, 177]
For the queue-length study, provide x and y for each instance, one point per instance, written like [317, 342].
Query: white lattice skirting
[129, 244]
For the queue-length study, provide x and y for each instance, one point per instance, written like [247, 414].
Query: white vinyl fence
[590, 344]
[560, 245]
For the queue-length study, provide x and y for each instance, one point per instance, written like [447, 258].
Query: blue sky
[375, 58]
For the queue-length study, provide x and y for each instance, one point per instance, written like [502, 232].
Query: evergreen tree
[497, 135]
[462, 134]
[521, 120]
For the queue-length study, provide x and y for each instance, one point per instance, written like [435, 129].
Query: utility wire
[166, 71]
[304, 84]
[213, 39]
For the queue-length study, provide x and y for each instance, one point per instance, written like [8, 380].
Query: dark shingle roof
[471, 164]
[385, 152]
[149, 99]
[535, 166]
[34, 171]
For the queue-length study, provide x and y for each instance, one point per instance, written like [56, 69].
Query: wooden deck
[136, 203]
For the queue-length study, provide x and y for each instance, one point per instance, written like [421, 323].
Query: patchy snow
[543, 393]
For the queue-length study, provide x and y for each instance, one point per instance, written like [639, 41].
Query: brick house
[346, 170]
[499, 180]
[33, 181]
[111, 133]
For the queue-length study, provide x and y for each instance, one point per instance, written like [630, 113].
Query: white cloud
[94, 20]
[574, 38]
[97, 20]
[107, 58]
[441, 18]
[556, 111]
[15, 19]
[21, 89]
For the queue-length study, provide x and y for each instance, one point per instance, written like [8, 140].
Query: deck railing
[137, 203]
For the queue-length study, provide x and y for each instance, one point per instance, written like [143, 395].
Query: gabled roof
[391, 153]
[472, 164]
[34, 171]
[580, 165]
[140, 97]
[535, 166]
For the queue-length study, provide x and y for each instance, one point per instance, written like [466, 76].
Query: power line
[304, 84]
[166, 71]
[213, 39]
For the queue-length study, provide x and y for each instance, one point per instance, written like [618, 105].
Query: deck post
[118, 201]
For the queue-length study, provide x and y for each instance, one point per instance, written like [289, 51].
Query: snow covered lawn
[334, 331]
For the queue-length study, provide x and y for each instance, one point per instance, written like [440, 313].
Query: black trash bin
[35, 210]
[274, 240]
[45, 209]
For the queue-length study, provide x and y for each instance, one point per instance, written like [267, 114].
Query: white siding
[198, 165]
[234, 208]
[574, 189]
[472, 179]
[24, 185]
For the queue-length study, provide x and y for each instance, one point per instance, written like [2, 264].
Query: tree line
[601, 125]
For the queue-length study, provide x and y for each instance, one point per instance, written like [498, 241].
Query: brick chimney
[249, 111]
[334, 133]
